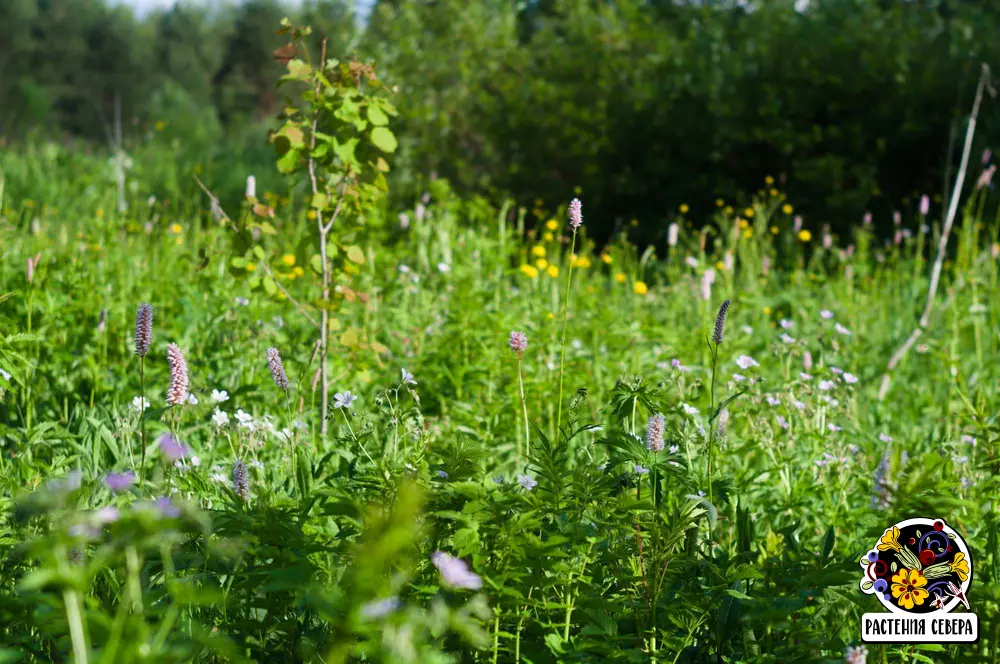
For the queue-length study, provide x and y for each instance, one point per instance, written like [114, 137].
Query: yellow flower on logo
[908, 586]
[960, 566]
[890, 540]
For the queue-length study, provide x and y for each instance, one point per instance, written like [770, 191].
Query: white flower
[691, 261]
[836, 370]
[739, 378]
[826, 314]
[690, 410]
[830, 400]
[747, 330]
[192, 399]
[674, 449]
[826, 385]
[139, 404]
[745, 362]
[798, 404]
[849, 378]
[220, 478]
[640, 470]
[242, 301]
[969, 440]
[782, 422]
[245, 419]
[256, 464]
[195, 461]
[404, 268]
[787, 324]
[220, 418]
[6, 376]
[180, 465]
[408, 377]
[833, 427]
[220, 396]
[344, 399]
[299, 424]
[527, 481]
[444, 267]
[805, 376]
[842, 330]
[787, 339]
[773, 401]
[885, 438]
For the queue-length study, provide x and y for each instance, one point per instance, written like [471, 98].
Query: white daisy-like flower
[745, 362]
[786, 324]
[833, 427]
[849, 378]
[804, 376]
[220, 396]
[196, 461]
[139, 404]
[256, 464]
[836, 370]
[404, 268]
[773, 400]
[220, 418]
[243, 302]
[674, 449]
[747, 330]
[444, 267]
[220, 478]
[344, 399]
[5, 375]
[691, 261]
[798, 404]
[245, 419]
[782, 422]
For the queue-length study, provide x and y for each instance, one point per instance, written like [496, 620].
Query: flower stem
[524, 409]
[562, 351]
[711, 424]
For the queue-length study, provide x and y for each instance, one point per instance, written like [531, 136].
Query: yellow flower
[582, 262]
[251, 267]
[719, 202]
[960, 566]
[551, 316]
[786, 208]
[748, 213]
[774, 230]
[529, 270]
[767, 311]
[298, 271]
[728, 210]
[805, 235]
[640, 288]
[176, 228]
[620, 277]
[773, 192]
[311, 214]
[288, 259]
[180, 239]
[290, 276]
[553, 271]
[744, 224]
[606, 258]
[908, 588]
[552, 224]
[160, 125]
[684, 208]
[28, 203]
[548, 237]
[538, 250]
[719, 265]
[768, 180]
[541, 263]
[748, 233]
[889, 540]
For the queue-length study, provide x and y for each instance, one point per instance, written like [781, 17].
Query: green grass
[595, 563]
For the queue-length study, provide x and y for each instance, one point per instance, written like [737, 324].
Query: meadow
[535, 448]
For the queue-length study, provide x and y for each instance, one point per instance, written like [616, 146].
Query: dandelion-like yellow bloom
[179, 240]
[548, 237]
[768, 180]
[774, 230]
[748, 213]
[767, 311]
[620, 277]
[552, 271]
[719, 265]
[529, 270]
[748, 233]
[538, 251]
[719, 202]
[773, 192]
[744, 224]
[311, 215]
[805, 235]
[176, 228]
[251, 267]
[541, 263]
[908, 588]
[298, 271]
[288, 259]
[552, 225]
[728, 210]
[551, 316]
[684, 208]
[99, 213]
[960, 566]
[787, 209]
[640, 288]
[889, 540]
[606, 258]
[582, 262]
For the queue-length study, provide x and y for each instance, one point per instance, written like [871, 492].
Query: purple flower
[925, 205]
[575, 213]
[787, 324]
[826, 314]
[380, 608]
[842, 330]
[640, 470]
[885, 438]
[166, 508]
[119, 482]
[826, 385]
[745, 362]
[654, 433]
[454, 572]
[518, 342]
[172, 448]
[782, 422]
[527, 481]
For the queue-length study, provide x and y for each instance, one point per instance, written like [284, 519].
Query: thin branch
[956, 195]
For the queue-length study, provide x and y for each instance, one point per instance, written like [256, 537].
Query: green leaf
[723, 405]
[316, 263]
[377, 116]
[355, 254]
[269, 285]
[320, 201]
[737, 594]
[384, 139]
[258, 251]
[345, 150]
[298, 69]
[828, 542]
[289, 162]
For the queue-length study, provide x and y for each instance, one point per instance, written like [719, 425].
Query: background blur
[640, 106]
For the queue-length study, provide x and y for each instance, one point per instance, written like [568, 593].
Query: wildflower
[443, 475]
[826, 385]
[674, 449]
[196, 461]
[798, 404]
[640, 470]
[836, 370]
[119, 482]
[773, 400]
[172, 448]
[684, 208]
[842, 330]
[177, 394]
[138, 404]
[538, 251]
[344, 399]
[826, 314]
[241, 480]
[885, 438]
[143, 329]
[552, 225]
[407, 377]
[444, 267]
[640, 288]
[969, 440]
[745, 362]
[529, 270]
[782, 422]
[518, 342]
[804, 376]
[243, 302]
[925, 205]
[672, 235]
[833, 427]
[541, 263]
[6, 376]
[882, 490]
[856, 655]
[986, 178]
[256, 465]
[575, 214]
[739, 378]
[747, 330]
[192, 400]
[454, 572]
[720, 324]
[787, 339]
[220, 396]
[620, 277]
[245, 419]
[379, 608]
[277, 369]
[527, 482]
[220, 418]
[807, 361]
[251, 187]
[692, 262]
[552, 271]
[786, 324]
[106, 515]
[787, 209]
[498, 479]
[654, 433]
[804, 235]
[689, 409]
[849, 378]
